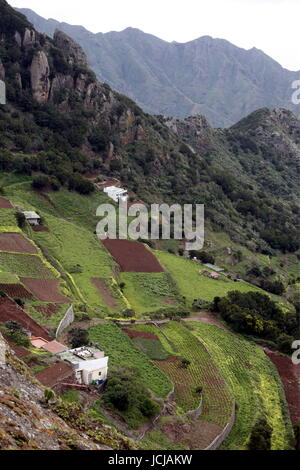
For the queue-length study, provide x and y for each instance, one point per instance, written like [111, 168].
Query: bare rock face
[40, 83]
[74, 52]
[29, 37]
[59, 83]
[18, 38]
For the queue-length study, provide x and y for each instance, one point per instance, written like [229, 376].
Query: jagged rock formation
[39, 72]
[90, 127]
[74, 51]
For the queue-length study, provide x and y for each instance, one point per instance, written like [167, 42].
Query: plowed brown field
[133, 256]
[46, 290]
[9, 310]
[5, 203]
[16, 291]
[17, 243]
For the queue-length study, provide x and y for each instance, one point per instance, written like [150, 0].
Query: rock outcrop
[39, 72]
[29, 422]
[74, 51]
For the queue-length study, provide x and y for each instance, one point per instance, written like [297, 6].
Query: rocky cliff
[71, 124]
[30, 422]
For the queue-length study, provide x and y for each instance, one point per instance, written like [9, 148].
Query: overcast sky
[270, 25]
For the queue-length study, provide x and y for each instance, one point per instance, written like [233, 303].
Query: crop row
[121, 351]
[201, 372]
[254, 383]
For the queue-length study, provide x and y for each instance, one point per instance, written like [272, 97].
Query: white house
[90, 365]
[32, 217]
[116, 193]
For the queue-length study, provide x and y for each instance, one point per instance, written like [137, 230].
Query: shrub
[261, 434]
[78, 337]
[21, 219]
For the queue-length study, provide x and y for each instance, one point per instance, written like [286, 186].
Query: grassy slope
[120, 349]
[72, 245]
[146, 291]
[71, 240]
[254, 382]
[191, 284]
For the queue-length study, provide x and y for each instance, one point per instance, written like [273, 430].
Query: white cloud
[270, 25]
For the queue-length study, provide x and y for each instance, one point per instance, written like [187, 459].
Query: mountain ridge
[207, 75]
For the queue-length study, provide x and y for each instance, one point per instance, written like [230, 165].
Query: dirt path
[208, 317]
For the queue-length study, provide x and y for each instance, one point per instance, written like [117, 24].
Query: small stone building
[32, 217]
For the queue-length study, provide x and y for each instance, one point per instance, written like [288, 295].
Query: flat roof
[85, 353]
[31, 215]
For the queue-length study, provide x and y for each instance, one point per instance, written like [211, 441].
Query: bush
[261, 434]
[78, 337]
[185, 363]
[21, 219]
[41, 182]
[126, 393]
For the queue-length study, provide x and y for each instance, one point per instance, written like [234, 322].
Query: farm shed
[116, 194]
[90, 365]
[32, 217]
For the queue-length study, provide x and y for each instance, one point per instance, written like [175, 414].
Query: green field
[179, 342]
[7, 218]
[148, 292]
[254, 383]
[27, 265]
[80, 254]
[193, 285]
[121, 351]
[154, 349]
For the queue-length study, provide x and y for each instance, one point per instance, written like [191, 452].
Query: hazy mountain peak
[207, 75]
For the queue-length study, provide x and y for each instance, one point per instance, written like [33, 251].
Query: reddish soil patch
[105, 293]
[5, 203]
[16, 291]
[46, 290]
[54, 374]
[9, 310]
[40, 228]
[19, 350]
[47, 310]
[289, 374]
[140, 334]
[16, 242]
[108, 182]
[168, 300]
[133, 256]
[194, 435]
[207, 317]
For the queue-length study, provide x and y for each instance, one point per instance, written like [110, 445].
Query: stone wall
[215, 444]
[66, 321]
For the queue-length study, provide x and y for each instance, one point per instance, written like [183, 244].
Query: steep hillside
[30, 422]
[59, 120]
[205, 76]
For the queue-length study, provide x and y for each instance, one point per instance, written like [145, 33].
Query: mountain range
[205, 76]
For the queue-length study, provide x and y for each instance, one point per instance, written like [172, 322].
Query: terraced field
[25, 265]
[202, 371]
[121, 351]
[253, 381]
[148, 292]
[191, 284]
[80, 254]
